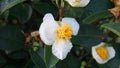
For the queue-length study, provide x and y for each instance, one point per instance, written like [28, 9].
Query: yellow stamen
[102, 52]
[65, 31]
[77, 0]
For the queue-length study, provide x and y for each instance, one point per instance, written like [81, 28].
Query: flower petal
[73, 23]
[79, 3]
[61, 48]
[73, 3]
[47, 29]
[110, 50]
[48, 18]
[84, 3]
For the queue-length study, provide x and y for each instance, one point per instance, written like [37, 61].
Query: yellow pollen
[65, 31]
[102, 52]
[77, 0]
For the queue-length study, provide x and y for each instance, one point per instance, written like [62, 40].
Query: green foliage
[89, 35]
[114, 27]
[11, 38]
[97, 6]
[73, 12]
[50, 59]
[7, 4]
[97, 16]
[44, 8]
[37, 60]
[2, 61]
[22, 12]
[19, 49]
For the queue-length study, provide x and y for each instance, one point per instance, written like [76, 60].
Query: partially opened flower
[58, 34]
[102, 53]
[78, 3]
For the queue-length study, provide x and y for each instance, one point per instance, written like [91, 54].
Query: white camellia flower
[78, 3]
[102, 53]
[58, 34]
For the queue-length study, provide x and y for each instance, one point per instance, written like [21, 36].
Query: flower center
[77, 0]
[102, 52]
[65, 31]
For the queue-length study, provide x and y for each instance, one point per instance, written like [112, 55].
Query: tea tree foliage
[22, 45]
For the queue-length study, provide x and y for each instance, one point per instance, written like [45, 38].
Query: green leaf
[97, 6]
[11, 38]
[18, 54]
[10, 66]
[44, 8]
[115, 62]
[37, 60]
[70, 62]
[5, 15]
[22, 12]
[7, 4]
[49, 58]
[2, 61]
[88, 36]
[72, 12]
[97, 16]
[29, 64]
[113, 27]
[93, 64]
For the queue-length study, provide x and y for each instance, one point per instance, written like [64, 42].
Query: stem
[105, 35]
[61, 10]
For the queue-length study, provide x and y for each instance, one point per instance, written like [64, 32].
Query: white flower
[103, 54]
[58, 34]
[78, 3]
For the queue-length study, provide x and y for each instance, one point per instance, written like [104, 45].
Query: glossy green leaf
[44, 8]
[70, 62]
[37, 60]
[115, 62]
[11, 38]
[5, 15]
[22, 12]
[49, 58]
[72, 12]
[93, 64]
[97, 16]
[18, 54]
[7, 4]
[88, 36]
[10, 66]
[2, 61]
[29, 64]
[113, 27]
[96, 6]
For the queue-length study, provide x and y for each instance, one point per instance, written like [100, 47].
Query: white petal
[47, 29]
[61, 48]
[73, 23]
[71, 2]
[110, 50]
[48, 18]
[84, 3]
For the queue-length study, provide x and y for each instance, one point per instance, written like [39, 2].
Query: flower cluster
[59, 33]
